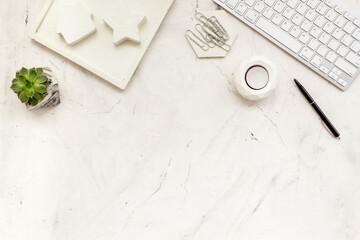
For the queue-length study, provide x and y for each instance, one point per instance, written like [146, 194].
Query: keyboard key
[342, 82]
[306, 25]
[349, 28]
[292, 3]
[331, 57]
[340, 21]
[347, 40]
[336, 71]
[288, 13]
[232, 3]
[306, 54]
[277, 19]
[320, 21]
[297, 19]
[301, 8]
[339, 10]
[279, 7]
[322, 9]
[330, 3]
[357, 22]
[310, 15]
[331, 15]
[324, 38]
[346, 67]
[333, 76]
[338, 34]
[312, 3]
[333, 44]
[295, 32]
[268, 13]
[354, 59]
[313, 44]
[259, 6]
[322, 50]
[348, 16]
[342, 51]
[329, 27]
[270, 3]
[241, 8]
[316, 61]
[251, 15]
[250, 2]
[279, 35]
[304, 38]
[356, 34]
[286, 25]
[315, 32]
[355, 46]
[324, 69]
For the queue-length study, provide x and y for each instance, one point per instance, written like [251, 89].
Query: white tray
[97, 53]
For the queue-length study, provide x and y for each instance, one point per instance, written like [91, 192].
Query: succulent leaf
[41, 79]
[30, 92]
[30, 85]
[23, 97]
[38, 96]
[39, 71]
[17, 87]
[22, 78]
[16, 80]
[46, 84]
[40, 88]
[33, 101]
[32, 75]
[24, 72]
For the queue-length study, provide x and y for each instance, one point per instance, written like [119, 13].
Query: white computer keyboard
[324, 35]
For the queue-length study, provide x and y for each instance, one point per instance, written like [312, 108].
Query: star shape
[125, 26]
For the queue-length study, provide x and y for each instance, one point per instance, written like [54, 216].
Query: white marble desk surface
[178, 155]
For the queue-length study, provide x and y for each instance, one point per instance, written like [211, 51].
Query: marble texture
[178, 155]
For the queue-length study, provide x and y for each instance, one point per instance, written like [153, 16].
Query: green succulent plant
[30, 85]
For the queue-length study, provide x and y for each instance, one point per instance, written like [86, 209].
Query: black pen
[325, 120]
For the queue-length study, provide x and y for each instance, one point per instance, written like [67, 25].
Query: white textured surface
[178, 155]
